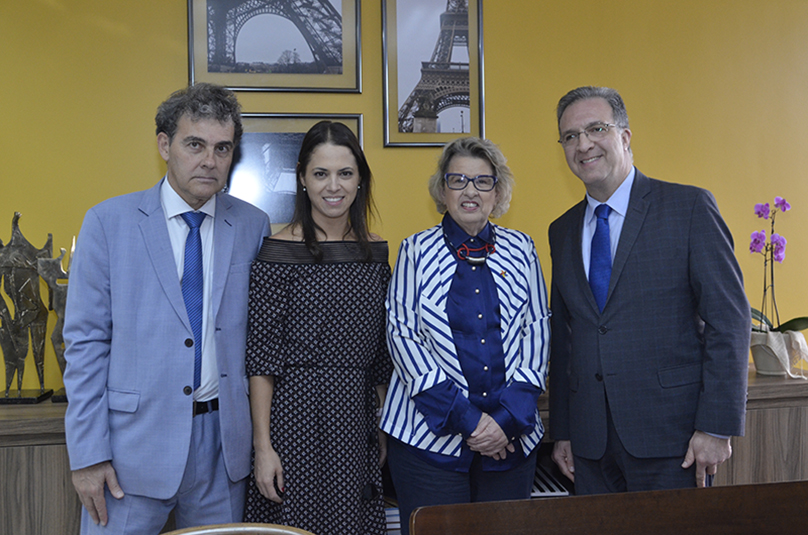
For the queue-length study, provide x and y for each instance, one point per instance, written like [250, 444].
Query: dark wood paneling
[38, 495]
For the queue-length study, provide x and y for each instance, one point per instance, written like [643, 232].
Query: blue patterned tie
[600, 262]
[192, 286]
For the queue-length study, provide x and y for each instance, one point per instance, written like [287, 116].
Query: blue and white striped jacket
[420, 338]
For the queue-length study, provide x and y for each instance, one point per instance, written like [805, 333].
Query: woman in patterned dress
[316, 352]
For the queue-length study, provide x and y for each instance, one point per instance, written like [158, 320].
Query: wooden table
[737, 510]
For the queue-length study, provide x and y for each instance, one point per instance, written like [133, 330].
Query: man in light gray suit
[155, 332]
[650, 324]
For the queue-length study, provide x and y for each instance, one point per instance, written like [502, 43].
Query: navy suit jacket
[125, 334]
[670, 350]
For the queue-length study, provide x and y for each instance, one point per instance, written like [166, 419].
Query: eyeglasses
[460, 181]
[596, 132]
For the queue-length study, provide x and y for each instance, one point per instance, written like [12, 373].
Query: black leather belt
[201, 407]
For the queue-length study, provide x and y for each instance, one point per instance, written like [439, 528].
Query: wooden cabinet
[36, 492]
[775, 445]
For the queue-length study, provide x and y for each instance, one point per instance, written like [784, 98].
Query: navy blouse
[473, 311]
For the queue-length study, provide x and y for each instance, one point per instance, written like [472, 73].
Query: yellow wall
[715, 92]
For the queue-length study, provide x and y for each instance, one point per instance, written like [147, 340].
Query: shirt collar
[174, 205]
[618, 202]
[457, 235]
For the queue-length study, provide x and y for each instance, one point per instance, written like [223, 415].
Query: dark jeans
[418, 483]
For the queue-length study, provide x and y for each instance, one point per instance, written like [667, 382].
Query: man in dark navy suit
[650, 321]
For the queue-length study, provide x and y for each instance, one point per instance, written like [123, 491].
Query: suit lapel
[573, 255]
[577, 257]
[224, 231]
[158, 245]
[635, 217]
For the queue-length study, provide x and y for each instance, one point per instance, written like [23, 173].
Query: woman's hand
[382, 447]
[488, 439]
[268, 470]
[381, 394]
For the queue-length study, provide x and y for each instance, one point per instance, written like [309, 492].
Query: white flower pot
[774, 353]
[765, 349]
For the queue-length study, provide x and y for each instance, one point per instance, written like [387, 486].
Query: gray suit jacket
[125, 334]
[671, 348]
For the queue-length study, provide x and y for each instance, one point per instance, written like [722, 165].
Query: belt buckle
[202, 407]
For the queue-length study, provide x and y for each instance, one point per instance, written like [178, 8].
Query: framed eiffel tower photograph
[433, 71]
[276, 45]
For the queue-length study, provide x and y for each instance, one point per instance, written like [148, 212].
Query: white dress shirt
[173, 207]
[618, 202]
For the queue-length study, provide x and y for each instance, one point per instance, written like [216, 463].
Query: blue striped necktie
[192, 286]
[600, 262]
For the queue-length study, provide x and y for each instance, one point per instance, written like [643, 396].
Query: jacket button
[599, 377]
[602, 330]
[187, 390]
[189, 342]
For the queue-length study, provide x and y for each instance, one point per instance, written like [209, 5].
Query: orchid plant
[773, 250]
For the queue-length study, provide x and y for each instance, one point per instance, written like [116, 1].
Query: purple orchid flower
[779, 247]
[762, 210]
[758, 242]
[782, 204]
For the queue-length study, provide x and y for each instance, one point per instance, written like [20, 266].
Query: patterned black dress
[319, 328]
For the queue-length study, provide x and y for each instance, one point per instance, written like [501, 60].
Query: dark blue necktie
[192, 286]
[600, 262]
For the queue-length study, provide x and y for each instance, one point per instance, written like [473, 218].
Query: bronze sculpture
[20, 276]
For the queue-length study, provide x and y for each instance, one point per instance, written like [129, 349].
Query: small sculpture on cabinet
[51, 270]
[20, 281]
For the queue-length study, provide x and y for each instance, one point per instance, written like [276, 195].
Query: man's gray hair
[606, 93]
[200, 101]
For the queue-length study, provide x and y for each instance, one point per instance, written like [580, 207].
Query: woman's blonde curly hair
[474, 147]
